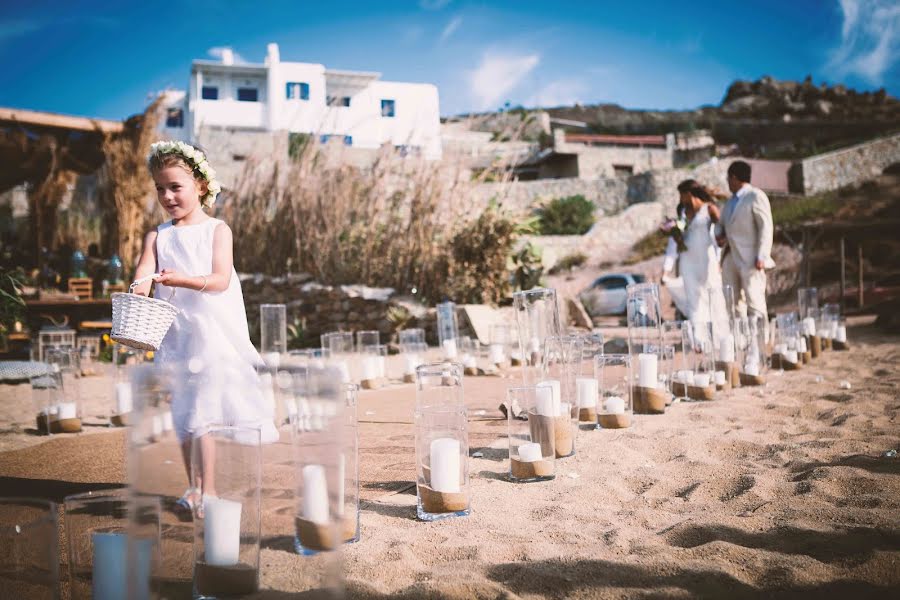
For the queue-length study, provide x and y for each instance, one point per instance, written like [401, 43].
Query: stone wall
[849, 166]
[229, 150]
[522, 197]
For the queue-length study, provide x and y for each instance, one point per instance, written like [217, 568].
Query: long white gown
[209, 343]
[698, 291]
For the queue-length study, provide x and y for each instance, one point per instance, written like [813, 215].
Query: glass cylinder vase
[113, 545]
[29, 542]
[560, 370]
[272, 333]
[67, 363]
[442, 443]
[537, 318]
[532, 441]
[673, 335]
[615, 377]
[751, 340]
[226, 465]
[448, 329]
[787, 348]
[698, 349]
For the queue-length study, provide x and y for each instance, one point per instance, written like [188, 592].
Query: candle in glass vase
[123, 398]
[469, 362]
[720, 377]
[614, 405]
[315, 494]
[110, 572]
[412, 362]
[791, 356]
[555, 391]
[449, 348]
[445, 465]
[381, 363]
[647, 370]
[344, 370]
[272, 359]
[167, 422]
[841, 334]
[587, 389]
[809, 326]
[530, 452]
[686, 377]
[701, 379]
[801, 345]
[497, 354]
[726, 348]
[221, 531]
[369, 368]
[67, 410]
[544, 401]
[752, 368]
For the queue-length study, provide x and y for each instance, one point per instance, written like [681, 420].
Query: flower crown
[198, 163]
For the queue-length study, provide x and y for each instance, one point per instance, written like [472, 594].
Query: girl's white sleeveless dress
[209, 341]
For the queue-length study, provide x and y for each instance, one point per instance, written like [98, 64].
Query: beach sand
[778, 491]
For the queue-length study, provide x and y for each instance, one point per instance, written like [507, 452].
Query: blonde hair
[158, 162]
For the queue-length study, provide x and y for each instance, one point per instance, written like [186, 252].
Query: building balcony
[231, 113]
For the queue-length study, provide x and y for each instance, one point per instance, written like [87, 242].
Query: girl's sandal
[190, 501]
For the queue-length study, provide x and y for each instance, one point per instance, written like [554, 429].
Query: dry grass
[127, 188]
[402, 222]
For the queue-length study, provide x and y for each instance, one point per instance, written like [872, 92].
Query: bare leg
[208, 462]
[186, 447]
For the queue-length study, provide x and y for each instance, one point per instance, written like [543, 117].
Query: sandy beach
[788, 490]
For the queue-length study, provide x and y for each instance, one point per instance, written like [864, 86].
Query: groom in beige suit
[746, 226]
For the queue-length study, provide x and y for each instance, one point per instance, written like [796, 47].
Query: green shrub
[573, 215]
[569, 262]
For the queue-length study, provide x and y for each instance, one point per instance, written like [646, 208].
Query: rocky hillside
[765, 118]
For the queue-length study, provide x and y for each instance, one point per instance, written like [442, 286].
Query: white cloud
[562, 92]
[433, 4]
[870, 39]
[217, 51]
[451, 28]
[497, 75]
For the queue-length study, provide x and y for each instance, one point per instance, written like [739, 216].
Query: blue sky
[88, 59]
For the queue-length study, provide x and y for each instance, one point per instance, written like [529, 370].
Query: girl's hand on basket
[172, 278]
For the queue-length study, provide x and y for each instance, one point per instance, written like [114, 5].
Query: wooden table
[76, 311]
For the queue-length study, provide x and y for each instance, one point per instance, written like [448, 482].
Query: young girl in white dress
[209, 338]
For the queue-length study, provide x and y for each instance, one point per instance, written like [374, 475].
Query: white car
[607, 295]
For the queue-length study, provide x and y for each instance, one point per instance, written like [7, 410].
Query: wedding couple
[740, 234]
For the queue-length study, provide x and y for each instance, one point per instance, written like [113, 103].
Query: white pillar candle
[516, 355]
[779, 349]
[686, 377]
[123, 398]
[701, 379]
[720, 377]
[68, 410]
[647, 370]
[315, 494]
[614, 405]
[167, 423]
[272, 359]
[496, 354]
[344, 369]
[752, 368]
[555, 390]
[726, 348]
[469, 362]
[221, 531]
[809, 326]
[790, 356]
[111, 570]
[156, 424]
[530, 452]
[381, 363]
[412, 362]
[587, 390]
[841, 334]
[369, 368]
[534, 345]
[290, 406]
[801, 345]
[543, 398]
[449, 348]
[445, 465]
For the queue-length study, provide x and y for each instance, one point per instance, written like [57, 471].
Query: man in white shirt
[746, 227]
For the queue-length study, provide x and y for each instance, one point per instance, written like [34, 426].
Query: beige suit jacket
[747, 221]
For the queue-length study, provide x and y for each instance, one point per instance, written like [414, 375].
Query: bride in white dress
[697, 292]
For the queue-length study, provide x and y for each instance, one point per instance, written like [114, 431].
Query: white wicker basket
[140, 321]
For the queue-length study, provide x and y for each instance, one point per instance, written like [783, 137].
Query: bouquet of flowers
[675, 228]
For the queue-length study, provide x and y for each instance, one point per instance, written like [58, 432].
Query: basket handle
[145, 278]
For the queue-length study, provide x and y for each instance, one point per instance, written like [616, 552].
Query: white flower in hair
[197, 161]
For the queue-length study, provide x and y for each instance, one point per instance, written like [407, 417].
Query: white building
[354, 108]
